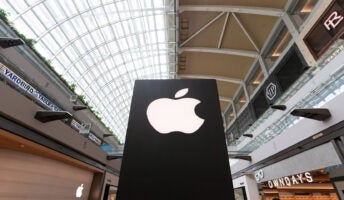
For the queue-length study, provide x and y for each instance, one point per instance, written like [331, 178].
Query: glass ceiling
[102, 46]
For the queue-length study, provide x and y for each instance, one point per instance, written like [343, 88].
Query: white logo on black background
[259, 175]
[271, 91]
[333, 20]
[171, 115]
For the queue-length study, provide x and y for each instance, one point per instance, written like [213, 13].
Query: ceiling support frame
[219, 78]
[236, 52]
[263, 66]
[223, 31]
[233, 9]
[201, 29]
[226, 99]
[245, 31]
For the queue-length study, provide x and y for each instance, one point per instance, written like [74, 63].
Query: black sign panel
[272, 90]
[327, 29]
[175, 145]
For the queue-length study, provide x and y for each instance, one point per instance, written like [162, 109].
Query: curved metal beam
[226, 99]
[235, 52]
[219, 78]
[234, 9]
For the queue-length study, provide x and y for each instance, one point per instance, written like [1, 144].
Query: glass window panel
[240, 100]
[302, 10]
[78, 47]
[89, 20]
[74, 72]
[255, 79]
[151, 26]
[113, 47]
[278, 47]
[64, 59]
[41, 47]
[59, 68]
[80, 67]
[118, 29]
[100, 16]
[107, 32]
[160, 22]
[70, 51]
[51, 44]
[112, 16]
[126, 27]
[122, 44]
[44, 15]
[55, 10]
[68, 28]
[25, 28]
[68, 7]
[57, 33]
[77, 22]
[18, 5]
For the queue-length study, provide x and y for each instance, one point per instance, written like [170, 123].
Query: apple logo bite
[170, 115]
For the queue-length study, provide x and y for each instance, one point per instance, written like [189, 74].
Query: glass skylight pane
[68, 28]
[18, 5]
[53, 46]
[118, 29]
[68, 7]
[110, 12]
[24, 28]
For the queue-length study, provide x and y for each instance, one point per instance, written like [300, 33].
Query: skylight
[102, 46]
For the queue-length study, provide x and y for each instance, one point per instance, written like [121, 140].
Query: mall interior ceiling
[98, 48]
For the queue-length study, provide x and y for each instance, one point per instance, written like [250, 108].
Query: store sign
[291, 180]
[170, 123]
[333, 20]
[327, 29]
[259, 175]
[271, 91]
[94, 138]
[20, 83]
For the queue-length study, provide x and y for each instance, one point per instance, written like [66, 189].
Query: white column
[251, 187]
[249, 182]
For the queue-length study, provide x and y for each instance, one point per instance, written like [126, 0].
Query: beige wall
[28, 176]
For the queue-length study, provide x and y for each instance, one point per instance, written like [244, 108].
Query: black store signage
[327, 29]
[272, 90]
[175, 145]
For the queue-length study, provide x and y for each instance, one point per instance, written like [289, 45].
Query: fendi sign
[327, 29]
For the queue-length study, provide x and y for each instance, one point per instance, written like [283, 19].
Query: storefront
[313, 185]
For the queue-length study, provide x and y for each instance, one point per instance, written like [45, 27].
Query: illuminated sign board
[296, 179]
[291, 180]
[327, 29]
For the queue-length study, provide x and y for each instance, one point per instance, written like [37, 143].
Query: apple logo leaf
[181, 93]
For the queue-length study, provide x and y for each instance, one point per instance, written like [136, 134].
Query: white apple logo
[169, 115]
[78, 192]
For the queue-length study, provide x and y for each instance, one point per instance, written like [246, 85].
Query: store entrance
[313, 185]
